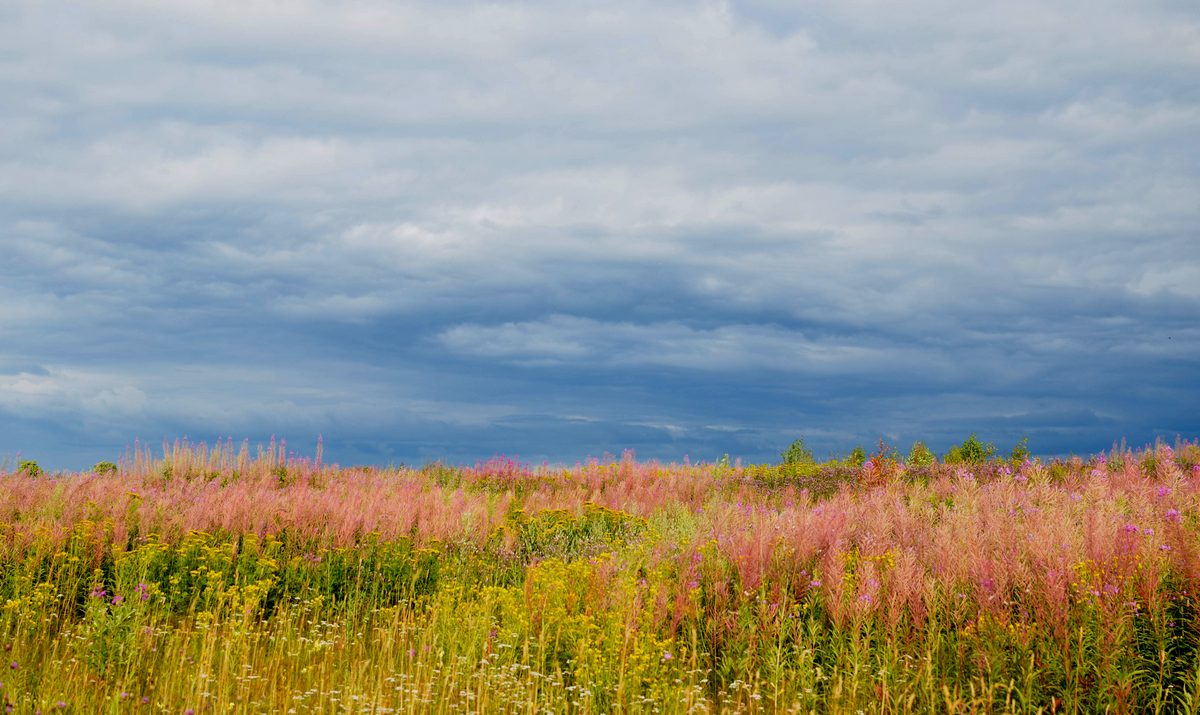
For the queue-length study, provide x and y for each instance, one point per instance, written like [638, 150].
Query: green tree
[797, 453]
[971, 451]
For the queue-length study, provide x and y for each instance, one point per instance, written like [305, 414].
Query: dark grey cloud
[445, 230]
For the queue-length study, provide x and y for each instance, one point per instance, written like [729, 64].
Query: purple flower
[1163, 491]
[1131, 529]
[117, 599]
[667, 655]
[1173, 515]
[61, 705]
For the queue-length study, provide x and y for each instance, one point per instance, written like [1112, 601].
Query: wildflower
[667, 655]
[61, 705]
[1165, 547]
[145, 700]
[143, 591]
[1164, 491]
[124, 695]
[1173, 515]
[1132, 529]
[98, 592]
[815, 584]
[117, 599]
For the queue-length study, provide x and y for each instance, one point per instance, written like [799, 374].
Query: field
[214, 579]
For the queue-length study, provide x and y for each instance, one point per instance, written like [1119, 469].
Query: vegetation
[214, 580]
[971, 451]
[797, 453]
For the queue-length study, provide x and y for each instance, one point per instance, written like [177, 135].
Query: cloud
[562, 338]
[446, 229]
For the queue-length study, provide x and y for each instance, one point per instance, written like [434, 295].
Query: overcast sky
[449, 230]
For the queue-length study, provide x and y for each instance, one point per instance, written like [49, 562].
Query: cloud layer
[445, 230]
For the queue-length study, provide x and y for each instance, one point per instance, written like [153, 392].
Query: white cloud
[70, 391]
[563, 339]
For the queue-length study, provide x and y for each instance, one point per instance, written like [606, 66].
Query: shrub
[971, 451]
[797, 453]
[857, 457]
[1020, 452]
[30, 467]
[919, 455]
[105, 468]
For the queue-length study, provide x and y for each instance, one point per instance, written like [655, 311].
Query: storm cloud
[445, 230]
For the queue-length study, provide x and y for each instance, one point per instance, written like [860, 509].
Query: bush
[105, 468]
[971, 451]
[1020, 453]
[919, 455]
[857, 458]
[797, 453]
[30, 467]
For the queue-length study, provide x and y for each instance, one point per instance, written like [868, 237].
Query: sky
[450, 230]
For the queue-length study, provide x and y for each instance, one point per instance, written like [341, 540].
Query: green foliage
[1020, 452]
[283, 478]
[857, 457]
[1188, 456]
[30, 467]
[971, 451]
[103, 468]
[797, 453]
[557, 533]
[919, 455]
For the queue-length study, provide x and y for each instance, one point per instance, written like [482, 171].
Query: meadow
[214, 579]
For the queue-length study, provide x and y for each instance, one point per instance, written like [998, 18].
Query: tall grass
[212, 580]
